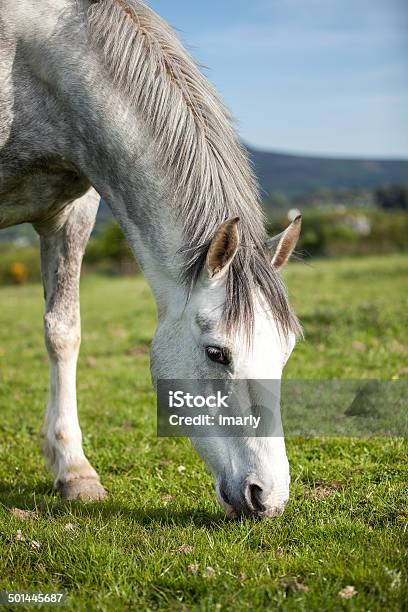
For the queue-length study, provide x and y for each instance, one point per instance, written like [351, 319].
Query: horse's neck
[124, 172]
[127, 178]
[113, 149]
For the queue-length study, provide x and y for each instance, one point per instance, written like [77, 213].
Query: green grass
[347, 519]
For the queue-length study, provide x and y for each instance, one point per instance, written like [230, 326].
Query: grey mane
[207, 167]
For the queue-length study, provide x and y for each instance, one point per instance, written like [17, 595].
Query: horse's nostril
[254, 498]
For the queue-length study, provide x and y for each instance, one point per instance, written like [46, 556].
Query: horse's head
[193, 342]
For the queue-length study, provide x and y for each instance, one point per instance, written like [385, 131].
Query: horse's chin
[229, 511]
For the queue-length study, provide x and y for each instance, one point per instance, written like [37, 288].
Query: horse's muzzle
[252, 499]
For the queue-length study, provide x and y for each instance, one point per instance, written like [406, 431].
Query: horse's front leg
[62, 250]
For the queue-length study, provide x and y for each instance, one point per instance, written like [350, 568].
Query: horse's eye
[218, 355]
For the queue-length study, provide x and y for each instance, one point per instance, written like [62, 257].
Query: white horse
[100, 97]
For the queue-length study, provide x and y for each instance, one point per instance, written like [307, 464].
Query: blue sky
[308, 76]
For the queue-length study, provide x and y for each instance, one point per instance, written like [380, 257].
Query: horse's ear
[223, 247]
[281, 246]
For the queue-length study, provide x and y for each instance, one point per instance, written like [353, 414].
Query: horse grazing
[99, 98]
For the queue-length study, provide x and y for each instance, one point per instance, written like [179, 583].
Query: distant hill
[292, 175]
[296, 174]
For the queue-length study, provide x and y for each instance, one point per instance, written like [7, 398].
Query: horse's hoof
[81, 489]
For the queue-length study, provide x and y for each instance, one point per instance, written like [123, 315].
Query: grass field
[160, 540]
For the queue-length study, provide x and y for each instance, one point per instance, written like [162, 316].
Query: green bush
[25, 258]
[107, 253]
[349, 232]
[324, 234]
[110, 252]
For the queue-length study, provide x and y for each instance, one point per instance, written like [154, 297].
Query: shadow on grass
[48, 504]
